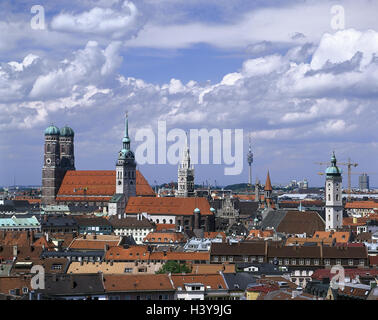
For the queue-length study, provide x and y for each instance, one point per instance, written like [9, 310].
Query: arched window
[329, 197]
[337, 197]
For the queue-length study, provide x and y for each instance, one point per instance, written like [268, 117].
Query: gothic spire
[126, 139]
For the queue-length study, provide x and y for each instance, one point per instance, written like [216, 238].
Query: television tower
[250, 161]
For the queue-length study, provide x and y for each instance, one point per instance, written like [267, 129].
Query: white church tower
[333, 193]
[185, 183]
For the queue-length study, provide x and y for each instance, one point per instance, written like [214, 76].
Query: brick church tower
[58, 158]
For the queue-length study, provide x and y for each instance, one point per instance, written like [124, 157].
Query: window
[308, 262]
[25, 290]
[293, 262]
[216, 259]
[301, 262]
[287, 261]
[261, 259]
[316, 262]
[350, 262]
[327, 262]
[128, 270]
[223, 259]
[230, 258]
[56, 267]
[338, 261]
[362, 262]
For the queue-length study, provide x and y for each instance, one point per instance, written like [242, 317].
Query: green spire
[333, 159]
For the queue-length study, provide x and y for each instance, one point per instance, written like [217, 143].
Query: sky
[299, 77]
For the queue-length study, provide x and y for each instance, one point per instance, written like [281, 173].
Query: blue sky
[279, 70]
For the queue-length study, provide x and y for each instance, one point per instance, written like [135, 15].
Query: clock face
[48, 161]
[119, 182]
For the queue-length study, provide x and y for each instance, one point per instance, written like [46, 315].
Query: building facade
[185, 183]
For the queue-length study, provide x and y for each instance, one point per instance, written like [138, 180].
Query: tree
[174, 267]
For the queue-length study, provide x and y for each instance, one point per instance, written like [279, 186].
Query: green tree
[174, 267]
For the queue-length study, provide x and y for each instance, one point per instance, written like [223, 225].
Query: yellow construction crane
[349, 164]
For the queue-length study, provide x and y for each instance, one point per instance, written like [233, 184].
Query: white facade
[185, 183]
[191, 291]
[334, 204]
[137, 233]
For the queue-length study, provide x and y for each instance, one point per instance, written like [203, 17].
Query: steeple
[250, 161]
[333, 170]
[126, 139]
[268, 184]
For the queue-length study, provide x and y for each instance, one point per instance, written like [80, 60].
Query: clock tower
[125, 175]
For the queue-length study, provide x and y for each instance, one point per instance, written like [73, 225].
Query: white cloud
[117, 22]
[90, 65]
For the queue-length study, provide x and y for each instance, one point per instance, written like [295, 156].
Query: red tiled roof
[248, 197]
[361, 205]
[215, 234]
[146, 282]
[167, 205]
[254, 233]
[165, 226]
[165, 237]
[214, 281]
[83, 185]
[340, 236]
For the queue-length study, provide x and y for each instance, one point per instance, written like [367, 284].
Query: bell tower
[125, 175]
[126, 167]
[333, 193]
[66, 143]
[52, 174]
